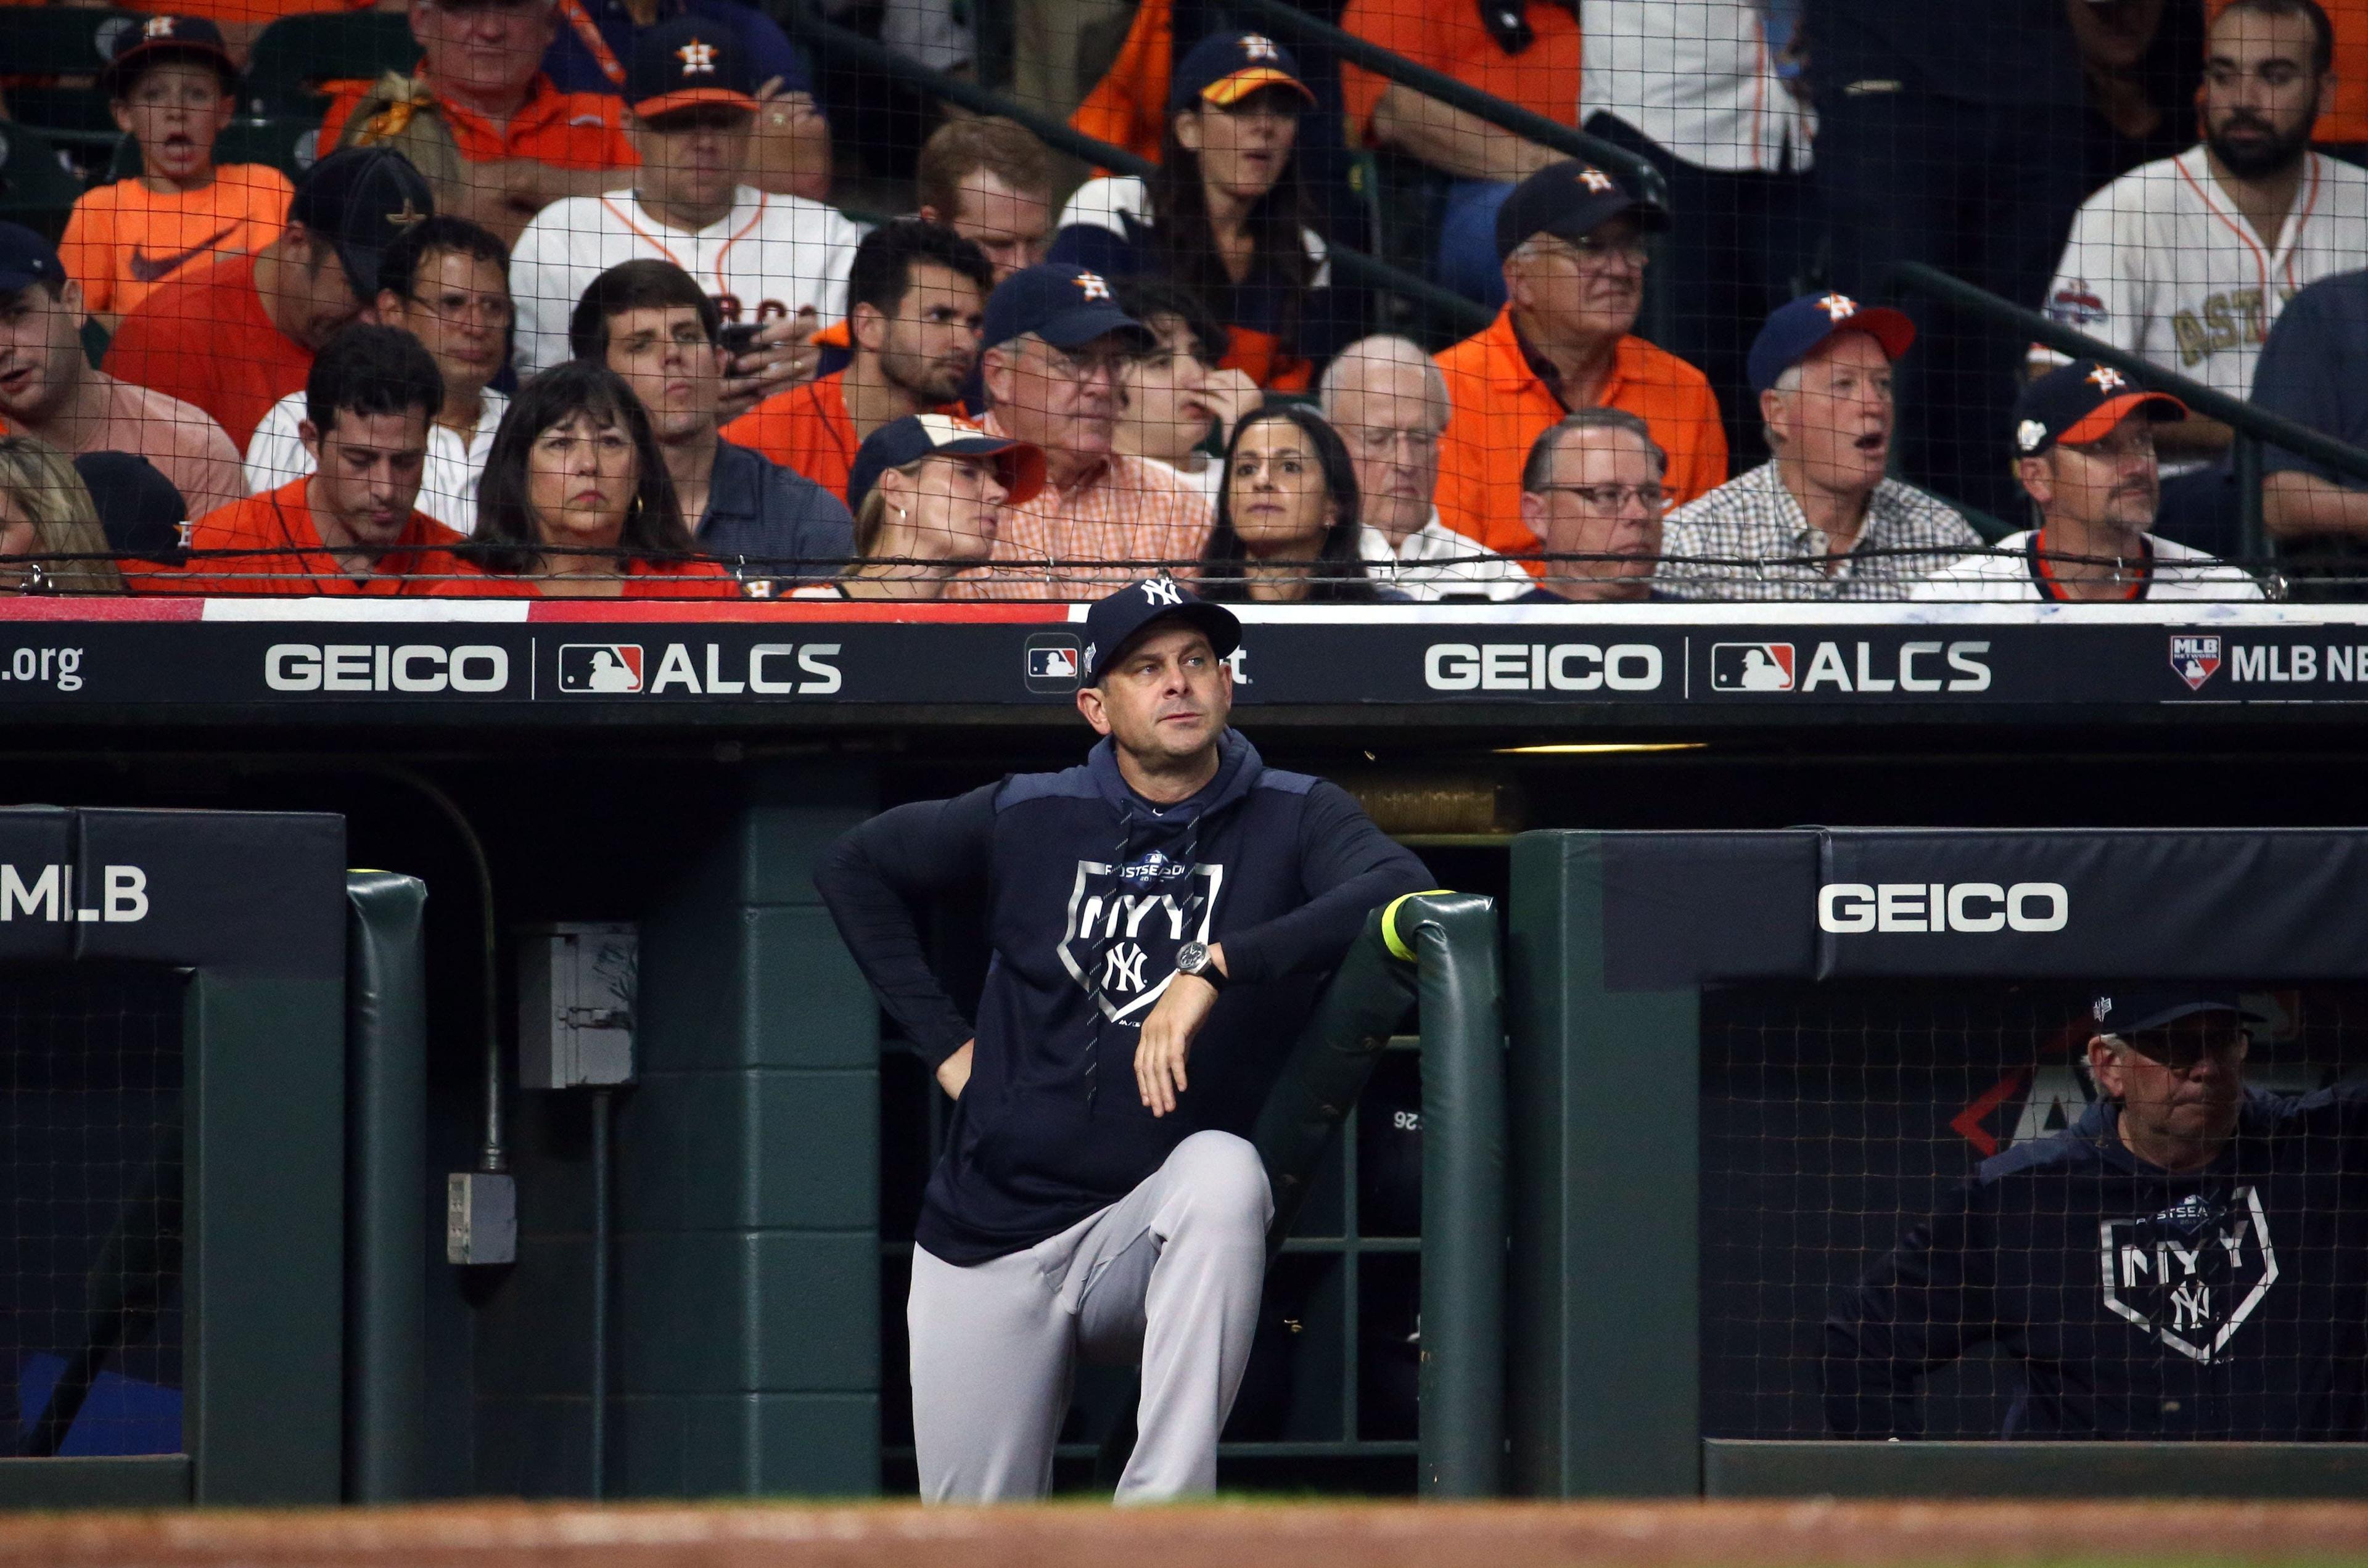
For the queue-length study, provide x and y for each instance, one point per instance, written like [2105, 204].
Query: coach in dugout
[2181, 1262]
[1162, 918]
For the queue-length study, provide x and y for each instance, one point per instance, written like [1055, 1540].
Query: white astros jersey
[768, 256]
[2161, 264]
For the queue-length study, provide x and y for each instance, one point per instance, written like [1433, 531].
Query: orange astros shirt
[809, 429]
[124, 239]
[1498, 406]
[289, 557]
[204, 338]
[567, 130]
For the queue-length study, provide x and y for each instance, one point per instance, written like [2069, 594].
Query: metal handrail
[2254, 426]
[1462, 313]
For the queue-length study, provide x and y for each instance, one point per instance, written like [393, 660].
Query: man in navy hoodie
[1162, 918]
[2188, 1260]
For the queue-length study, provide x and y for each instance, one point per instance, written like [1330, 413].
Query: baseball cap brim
[2099, 422]
[670, 103]
[1075, 328]
[114, 78]
[2164, 1017]
[1213, 621]
[1019, 464]
[1233, 88]
[1894, 330]
[1649, 215]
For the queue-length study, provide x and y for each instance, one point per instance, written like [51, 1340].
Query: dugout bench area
[704, 1294]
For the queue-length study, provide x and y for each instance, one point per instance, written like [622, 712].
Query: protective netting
[90, 1236]
[1912, 1224]
[1551, 299]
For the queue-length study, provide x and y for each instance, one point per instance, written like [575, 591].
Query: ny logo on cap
[1837, 306]
[1596, 180]
[1091, 284]
[158, 27]
[2107, 378]
[1162, 591]
[697, 59]
[1256, 48]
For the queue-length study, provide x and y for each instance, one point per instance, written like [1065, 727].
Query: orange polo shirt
[1499, 407]
[291, 559]
[1450, 38]
[567, 130]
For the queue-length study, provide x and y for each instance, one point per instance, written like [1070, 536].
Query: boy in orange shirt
[171, 87]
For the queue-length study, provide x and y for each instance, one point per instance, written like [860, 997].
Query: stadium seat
[296, 54]
[36, 188]
[286, 142]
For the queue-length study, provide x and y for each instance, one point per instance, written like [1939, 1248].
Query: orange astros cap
[2076, 403]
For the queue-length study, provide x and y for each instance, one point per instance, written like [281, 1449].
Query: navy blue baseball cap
[161, 36]
[1569, 201]
[1794, 330]
[1225, 68]
[1118, 619]
[2128, 1010]
[2076, 403]
[1064, 306]
[687, 62]
[359, 198]
[918, 436]
[25, 259]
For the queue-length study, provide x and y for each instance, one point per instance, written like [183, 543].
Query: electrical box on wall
[577, 985]
[480, 1217]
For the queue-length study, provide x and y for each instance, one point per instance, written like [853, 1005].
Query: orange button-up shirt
[1127, 509]
[1499, 407]
[567, 130]
[288, 557]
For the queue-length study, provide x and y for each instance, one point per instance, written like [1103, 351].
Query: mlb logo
[1751, 666]
[1054, 659]
[599, 669]
[2194, 660]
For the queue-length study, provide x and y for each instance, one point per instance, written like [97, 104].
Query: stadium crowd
[566, 309]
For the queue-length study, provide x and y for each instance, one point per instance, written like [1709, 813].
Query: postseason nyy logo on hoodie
[1126, 920]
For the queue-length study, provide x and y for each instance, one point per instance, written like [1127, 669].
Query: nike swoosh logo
[155, 270]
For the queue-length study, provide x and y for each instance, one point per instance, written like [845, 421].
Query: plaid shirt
[1126, 509]
[1765, 548]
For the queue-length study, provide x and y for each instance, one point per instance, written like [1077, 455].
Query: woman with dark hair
[1224, 213]
[576, 500]
[1287, 526]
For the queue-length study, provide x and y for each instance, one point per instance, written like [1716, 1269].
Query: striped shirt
[1750, 539]
[1126, 510]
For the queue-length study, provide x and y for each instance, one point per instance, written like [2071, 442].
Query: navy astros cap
[918, 436]
[1116, 620]
[2076, 403]
[1795, 329]
[1225, 68]
[358, 199]
[139, 509]
[1066, 306]
[25, 259]
[161, 36]
[685, 62]
[2125, 1011]
[1568, 201]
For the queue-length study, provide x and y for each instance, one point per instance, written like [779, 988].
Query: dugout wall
[1743, 1061]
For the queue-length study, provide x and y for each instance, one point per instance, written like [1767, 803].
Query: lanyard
[589, 31]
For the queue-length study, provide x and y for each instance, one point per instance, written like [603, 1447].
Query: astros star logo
[1090, 285]
[158, 27]
[1596, 180]
[697, 59]
[2106, 378]
[1837, 307]
[1256, 48]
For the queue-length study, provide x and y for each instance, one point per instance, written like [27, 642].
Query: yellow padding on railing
[1390, 937]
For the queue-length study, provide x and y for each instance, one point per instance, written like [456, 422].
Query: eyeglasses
[1593, 252]
[1378, 440]
[492, 308]
[1613, 497]
[1112, 363]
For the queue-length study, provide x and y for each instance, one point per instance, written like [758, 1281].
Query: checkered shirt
[1764, 548]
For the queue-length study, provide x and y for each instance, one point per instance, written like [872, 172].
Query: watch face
[1192, 957]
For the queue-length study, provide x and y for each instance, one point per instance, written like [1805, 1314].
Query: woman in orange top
[576, 503]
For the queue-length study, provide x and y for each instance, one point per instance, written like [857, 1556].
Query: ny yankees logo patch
[2190, 1275]
[1596, 180]
[2107, 379]
[697, 59]
[1162, 591]
[1837, 307]
[1126, 922]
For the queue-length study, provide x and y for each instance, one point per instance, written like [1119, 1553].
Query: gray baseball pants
[1170, 1275]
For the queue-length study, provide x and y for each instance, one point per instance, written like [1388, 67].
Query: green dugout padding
[246, 908]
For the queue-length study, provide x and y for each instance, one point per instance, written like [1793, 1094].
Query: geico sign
[381, 667]
[1542, 667]
[1845, 907]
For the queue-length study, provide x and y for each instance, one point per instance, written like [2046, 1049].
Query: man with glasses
[1389, 403]
[446, 282]
[1056, 347]
[2083, 450]
[1819, 520]
[1572, 244]
[1592, 491]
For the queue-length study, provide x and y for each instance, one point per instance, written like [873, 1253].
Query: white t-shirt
[1436, 562]
[447, 487]
[1694, 75]
[770, 256]
[2012, 576]
[2161, 264]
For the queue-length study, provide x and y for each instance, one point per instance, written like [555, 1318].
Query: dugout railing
[1635, 961]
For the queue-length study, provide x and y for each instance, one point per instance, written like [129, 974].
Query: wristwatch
[1194, 958]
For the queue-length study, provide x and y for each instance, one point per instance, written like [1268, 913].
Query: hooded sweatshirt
[2224, 1303]
[1091, 890]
